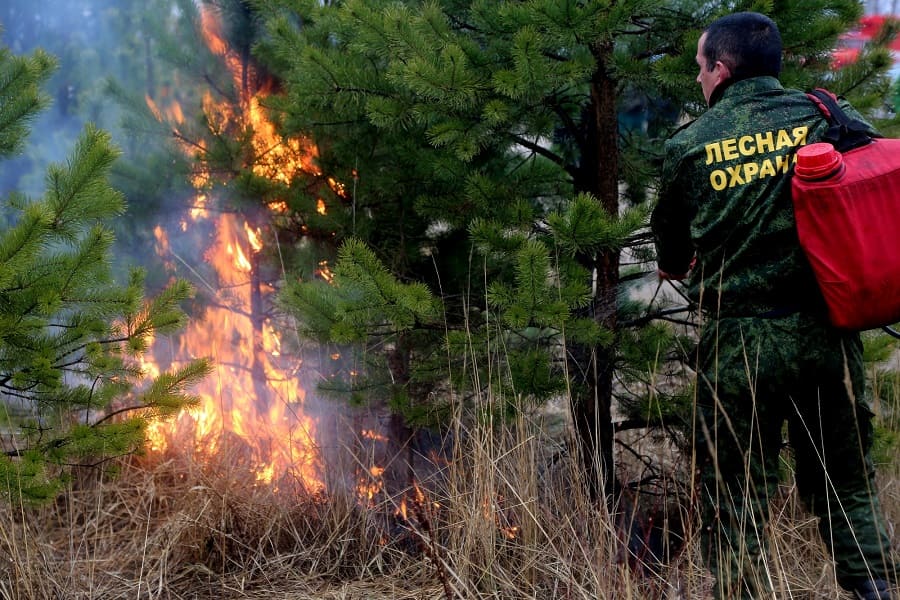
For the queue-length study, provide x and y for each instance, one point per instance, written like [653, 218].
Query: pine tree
[483, 141]
[72, 390]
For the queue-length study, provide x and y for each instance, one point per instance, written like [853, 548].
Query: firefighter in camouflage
[767, 355]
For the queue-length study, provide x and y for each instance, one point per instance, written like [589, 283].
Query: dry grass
[505, 519]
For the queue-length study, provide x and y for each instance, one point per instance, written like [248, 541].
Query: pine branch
[546, 153]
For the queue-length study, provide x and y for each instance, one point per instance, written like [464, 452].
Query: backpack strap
[843, 132]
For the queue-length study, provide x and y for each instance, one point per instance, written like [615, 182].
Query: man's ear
[723, 73]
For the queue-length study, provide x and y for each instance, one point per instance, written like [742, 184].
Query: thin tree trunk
[398, 475]
[592, 367]
[257, 310]
[257, 318]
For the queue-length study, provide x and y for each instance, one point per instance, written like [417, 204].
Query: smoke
[84, 37]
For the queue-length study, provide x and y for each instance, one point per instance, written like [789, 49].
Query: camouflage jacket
[725, 198]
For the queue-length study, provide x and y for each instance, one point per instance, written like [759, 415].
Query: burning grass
[505, 518]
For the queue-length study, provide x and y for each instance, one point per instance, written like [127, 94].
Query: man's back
[729, 173]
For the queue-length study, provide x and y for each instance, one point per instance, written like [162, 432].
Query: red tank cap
[817, 160]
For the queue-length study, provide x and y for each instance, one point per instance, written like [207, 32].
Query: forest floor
[506, 519]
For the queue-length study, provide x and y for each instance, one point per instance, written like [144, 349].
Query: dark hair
[748, 43]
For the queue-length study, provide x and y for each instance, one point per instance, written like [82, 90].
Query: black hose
[891, 332]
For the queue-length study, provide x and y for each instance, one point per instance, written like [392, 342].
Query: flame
[162, 245]
[250, 395]
[271, 341]
[240, 259]
[419, 501]
[278, 159]
[171, 113]
[254, 236]
[162, 239]
[199, 211]
[212, 33]
[371, 434]
[253, 400]
[151, 104]
[370, 484]
[324, 271]
[279, 206]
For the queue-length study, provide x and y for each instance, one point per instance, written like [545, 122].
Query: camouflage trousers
[758, 377]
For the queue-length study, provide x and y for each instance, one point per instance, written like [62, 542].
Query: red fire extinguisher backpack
[845, 192]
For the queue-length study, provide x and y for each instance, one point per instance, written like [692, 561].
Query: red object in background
[848, 221]
[850, 44]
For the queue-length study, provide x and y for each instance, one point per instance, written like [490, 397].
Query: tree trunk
[257, 319]
[398, 475]
[592, 367]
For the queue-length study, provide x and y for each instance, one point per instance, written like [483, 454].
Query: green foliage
[363, 293]
[441, 114]
[585, 228]
[484, 168]
[885, 445]
[68, 333]
[20, 96]
[883, 390]
[878, 347]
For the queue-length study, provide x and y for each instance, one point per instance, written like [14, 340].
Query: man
[767, 353]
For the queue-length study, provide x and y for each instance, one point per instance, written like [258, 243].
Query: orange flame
[151, 104]
[278, 206]
[172, 111]
[199, 211]
[254, 237]
[324, 271]
[372, 435]
[212, 33]
[253, 399]
[249, 395]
